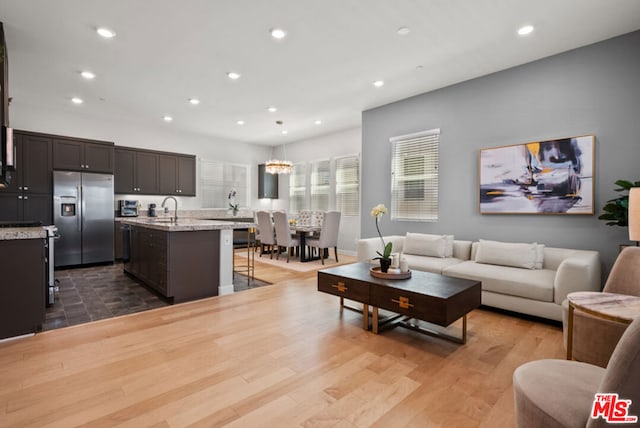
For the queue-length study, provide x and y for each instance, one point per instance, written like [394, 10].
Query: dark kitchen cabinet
[180, 265]
[80, 155]
[267, 184]
[29, 195]
[22, 305]
[177, 175]
[136, 171]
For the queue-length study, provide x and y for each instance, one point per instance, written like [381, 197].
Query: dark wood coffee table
[429, 297]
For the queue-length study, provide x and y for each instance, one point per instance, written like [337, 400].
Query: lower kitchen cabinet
[181, 266]
[21, 207]
[22, 289]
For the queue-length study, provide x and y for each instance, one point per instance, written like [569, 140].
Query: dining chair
[304, 218]
[283, 234]
[328, 234]
[266, 232]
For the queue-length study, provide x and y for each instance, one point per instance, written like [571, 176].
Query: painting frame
[540, 177]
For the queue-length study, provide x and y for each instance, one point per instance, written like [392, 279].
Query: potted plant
[384, 257]
[617, 210]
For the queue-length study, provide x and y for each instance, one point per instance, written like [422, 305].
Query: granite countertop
[11, 233]
[183, 224]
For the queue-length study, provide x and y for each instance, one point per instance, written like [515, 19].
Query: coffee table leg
[570, 333]
[365, 316]
[374, 324]
[341, 303]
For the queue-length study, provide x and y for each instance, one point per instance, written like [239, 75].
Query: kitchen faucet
[175, 218]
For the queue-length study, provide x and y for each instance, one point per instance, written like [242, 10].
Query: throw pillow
[421, 244]
[518, 255]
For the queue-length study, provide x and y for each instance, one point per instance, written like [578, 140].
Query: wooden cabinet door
[167, 178]
[147, 173]
[10, 206]
[124, 176]
[36, 164]
[68, 155]
[186, 176]
[38, 208]
[99, 157]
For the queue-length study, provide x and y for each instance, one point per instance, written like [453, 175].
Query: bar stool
[249, 269]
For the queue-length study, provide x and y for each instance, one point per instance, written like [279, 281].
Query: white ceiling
[167, 51]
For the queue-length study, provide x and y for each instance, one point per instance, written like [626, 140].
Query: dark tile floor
[99, 292]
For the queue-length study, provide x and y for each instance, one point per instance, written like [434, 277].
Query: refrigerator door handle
[80, 209]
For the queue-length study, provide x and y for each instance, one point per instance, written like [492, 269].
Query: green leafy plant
[377, 212]
[617, 210]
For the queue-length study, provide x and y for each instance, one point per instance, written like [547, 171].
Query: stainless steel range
[52, 287]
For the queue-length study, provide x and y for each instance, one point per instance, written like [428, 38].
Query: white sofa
[534, 291]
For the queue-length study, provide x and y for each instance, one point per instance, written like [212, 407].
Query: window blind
[414, 176]
[348, 185]
[297, 188]
[218, 178]
[320, 185]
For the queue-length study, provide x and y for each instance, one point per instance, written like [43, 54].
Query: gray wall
[590, 90]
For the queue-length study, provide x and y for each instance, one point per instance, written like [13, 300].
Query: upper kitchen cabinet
[82, 155]
[267, 184]
[136, 171]
[29, 194]
[177, 175]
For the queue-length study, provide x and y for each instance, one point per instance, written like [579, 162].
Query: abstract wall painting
[543, 177]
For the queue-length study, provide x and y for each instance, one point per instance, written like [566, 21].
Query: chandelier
[275, 166]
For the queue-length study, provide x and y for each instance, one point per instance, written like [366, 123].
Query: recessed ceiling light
[318, 122]
[77, 100]
[105, 32]
[278, 33]
[378, 83]
[285, 132]
[167, 118]
[527, 29]
[240, 122]
[403, 31]
[272, 109]
[194, 101]
[233, 75]
[88, 75]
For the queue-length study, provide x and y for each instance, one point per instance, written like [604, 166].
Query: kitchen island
[184, 260]
[22, 289]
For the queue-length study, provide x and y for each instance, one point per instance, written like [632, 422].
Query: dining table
[303, 232]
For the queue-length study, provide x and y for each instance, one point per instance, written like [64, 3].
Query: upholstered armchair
[560, 393]
[594, 339]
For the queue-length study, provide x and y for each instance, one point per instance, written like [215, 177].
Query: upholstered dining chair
[266, 232]
[560, 393]
[328, 234]
[594, 339]
[304, 218]
[283, 234]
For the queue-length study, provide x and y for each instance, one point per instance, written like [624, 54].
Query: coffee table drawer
[436, 310]
[344, 287]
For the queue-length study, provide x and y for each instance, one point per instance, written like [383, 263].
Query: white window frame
[407, 152]
[350, 187]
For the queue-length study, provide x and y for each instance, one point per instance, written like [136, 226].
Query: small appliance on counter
[128, 208]
[152, 211]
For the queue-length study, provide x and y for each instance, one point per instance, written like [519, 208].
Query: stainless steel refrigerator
[83, 213]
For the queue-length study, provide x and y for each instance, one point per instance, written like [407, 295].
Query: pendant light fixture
[276, 166]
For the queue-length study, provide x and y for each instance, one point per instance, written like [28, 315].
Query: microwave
[128, 208]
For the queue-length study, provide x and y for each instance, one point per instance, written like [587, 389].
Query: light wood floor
[276, 356]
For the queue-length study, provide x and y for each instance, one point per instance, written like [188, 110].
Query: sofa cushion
[430, 264]
[529, 284]
[507, 254]
[421, 244]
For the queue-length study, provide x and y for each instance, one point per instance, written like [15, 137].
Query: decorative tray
[375, 271]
